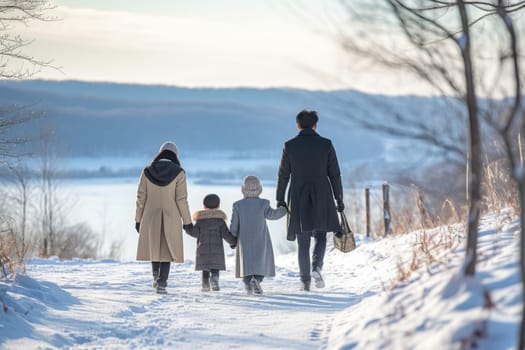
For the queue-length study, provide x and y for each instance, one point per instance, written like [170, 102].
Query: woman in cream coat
[162, 212]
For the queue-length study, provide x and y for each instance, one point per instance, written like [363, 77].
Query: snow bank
[439, 308]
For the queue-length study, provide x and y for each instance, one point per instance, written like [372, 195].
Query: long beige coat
[161, 211]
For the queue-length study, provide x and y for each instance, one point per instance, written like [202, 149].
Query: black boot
[205, 281]
[155, 269]
[162, 281]
[305, 285]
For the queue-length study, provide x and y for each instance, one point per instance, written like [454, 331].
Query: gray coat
[210, 229]
[254, 246]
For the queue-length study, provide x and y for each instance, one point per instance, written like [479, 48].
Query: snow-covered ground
[366, 303]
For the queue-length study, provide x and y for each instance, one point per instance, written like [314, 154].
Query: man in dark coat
[311, 162]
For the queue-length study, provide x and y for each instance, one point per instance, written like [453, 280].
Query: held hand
[282, 204]
[338, 234]
[340, 206]
[137, 227]
[188, 227]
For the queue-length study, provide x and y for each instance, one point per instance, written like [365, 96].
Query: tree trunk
[522, 261]
[475, 145]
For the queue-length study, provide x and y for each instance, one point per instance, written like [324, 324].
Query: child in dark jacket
[210, 229]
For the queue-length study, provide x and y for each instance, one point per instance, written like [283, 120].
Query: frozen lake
[108, 206]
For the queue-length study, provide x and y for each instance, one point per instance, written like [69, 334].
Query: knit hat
[251, 186]
[211, 201]
[169, 146]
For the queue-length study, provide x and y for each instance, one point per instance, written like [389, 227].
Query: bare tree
[436, 46]
[11, 143]
[475, 167]
[432, 28]
[515, 115]
[50, 205]
[21, 199]
[14, 62]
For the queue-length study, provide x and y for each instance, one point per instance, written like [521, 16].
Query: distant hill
[107, 120]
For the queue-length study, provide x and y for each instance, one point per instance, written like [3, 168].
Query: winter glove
[233, 246]
[188, 227]
[340, 206]
[137, 227]
[338, 234]
[282, 204]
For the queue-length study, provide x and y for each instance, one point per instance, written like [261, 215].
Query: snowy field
[109, 304]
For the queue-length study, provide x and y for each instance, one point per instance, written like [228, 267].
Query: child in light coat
[210, 229]
[254, 246]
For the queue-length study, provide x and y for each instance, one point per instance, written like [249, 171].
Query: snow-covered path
[83, 304]
[112, 305]
[125, 311]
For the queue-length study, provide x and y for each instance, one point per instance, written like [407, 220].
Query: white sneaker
[318, 279]
[155, 278]
[256, 285]
[248, 287]
[214, 281]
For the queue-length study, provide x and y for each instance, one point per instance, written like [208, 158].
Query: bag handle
[344, 223]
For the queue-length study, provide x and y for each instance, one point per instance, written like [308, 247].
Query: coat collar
[308, 132]
[209, 214]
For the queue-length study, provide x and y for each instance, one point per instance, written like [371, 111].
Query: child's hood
[209, 214]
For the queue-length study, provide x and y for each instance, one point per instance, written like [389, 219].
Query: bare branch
[12, 58]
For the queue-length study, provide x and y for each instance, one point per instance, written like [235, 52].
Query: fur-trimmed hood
[209, 214]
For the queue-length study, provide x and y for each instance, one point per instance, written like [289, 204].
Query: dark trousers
[303, 243]
[161, 271]
[206, 274]
[247, 279]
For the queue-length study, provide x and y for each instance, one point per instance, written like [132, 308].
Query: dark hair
[166, 154]
[211, 201]
[307, 119]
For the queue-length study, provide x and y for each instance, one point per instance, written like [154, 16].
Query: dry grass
[6, 263]
[430, 248]
[412, 210]
[7, 251]
[12, 253]
[499, 190]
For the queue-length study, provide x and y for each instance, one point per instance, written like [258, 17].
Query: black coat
[210, 230]
[311, 162]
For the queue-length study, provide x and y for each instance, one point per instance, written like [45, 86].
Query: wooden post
[386, 209]
[367, 209]
[424, 217]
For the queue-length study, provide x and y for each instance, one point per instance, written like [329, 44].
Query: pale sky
[200, 43]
